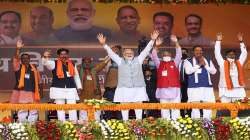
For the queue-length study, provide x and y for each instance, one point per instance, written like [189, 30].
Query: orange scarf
[227, 74]
[37, 79]
[59, 71]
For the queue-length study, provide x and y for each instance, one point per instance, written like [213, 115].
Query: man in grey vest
[131, 86]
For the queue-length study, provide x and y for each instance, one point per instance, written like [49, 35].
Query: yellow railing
[232, 107]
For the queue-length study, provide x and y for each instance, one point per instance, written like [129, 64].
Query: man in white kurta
[131, 86]
[230, 87]
[63, 88]
[200, 89]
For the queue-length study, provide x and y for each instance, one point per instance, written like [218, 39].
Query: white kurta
[238, 91]
[205, 94]
[135, 94]
[63, 93]
[6, 40]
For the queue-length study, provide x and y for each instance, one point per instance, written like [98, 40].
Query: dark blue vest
[29, 83]
[203, 80]
[66, 82]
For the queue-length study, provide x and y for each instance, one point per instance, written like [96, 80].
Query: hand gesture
[19, 44]
[174, 38]
[47, 54]
[101, 38]
[202, 61]
[219, 36]
[240, 36]
[154, 35]
[158, 41]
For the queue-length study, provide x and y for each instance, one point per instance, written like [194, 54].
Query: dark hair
[193, 15]
[11, 12]
[229, 51]
[197, 46]
[117, 46]
[127, 7]
[62, 50]
[165, 14]
[184, 49]
[23, 54]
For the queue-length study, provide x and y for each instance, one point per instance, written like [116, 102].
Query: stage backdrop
[228, 19]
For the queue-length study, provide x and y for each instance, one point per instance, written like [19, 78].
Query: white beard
[80, 26]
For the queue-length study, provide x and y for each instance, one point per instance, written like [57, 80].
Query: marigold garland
[91, 109]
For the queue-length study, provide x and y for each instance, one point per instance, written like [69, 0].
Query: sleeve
[16, 64]
[48, 63]
[77, 79]
[189, 69]
[177, 59]
[113, 55]
[145, 52]
[217, 53]
[100, 66]
[243, 55]
[211, 69]
[155, 58]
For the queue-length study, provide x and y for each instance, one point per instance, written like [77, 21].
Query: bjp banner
[74, 25]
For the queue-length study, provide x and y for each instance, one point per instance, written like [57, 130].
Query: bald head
[41, 19]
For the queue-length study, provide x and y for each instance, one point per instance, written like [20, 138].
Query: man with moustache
[10, 24]
[200, 89]
[164, 22]
[80, 28]
[128, 20]
[41, 21]
[193, 25]
[66, 83]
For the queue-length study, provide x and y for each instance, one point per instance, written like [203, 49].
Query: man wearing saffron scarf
[65, 81]
[168, 81]
[200, 89]
[231, 84]
[131, 86]
[27, 84]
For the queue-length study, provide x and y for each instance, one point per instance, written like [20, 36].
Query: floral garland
[97, 103]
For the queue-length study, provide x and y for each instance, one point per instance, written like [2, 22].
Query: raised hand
[158, 41]
[47, 54]
[174, 38]
[154, 35]
[101, 38]
[19, 44]
[219, 36]
[240, 36]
